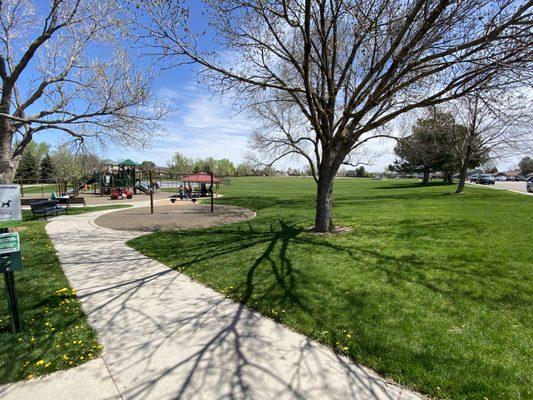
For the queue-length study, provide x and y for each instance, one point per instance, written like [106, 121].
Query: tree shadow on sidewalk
[166, 336]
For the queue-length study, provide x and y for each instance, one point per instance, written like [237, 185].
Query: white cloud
[199, 126]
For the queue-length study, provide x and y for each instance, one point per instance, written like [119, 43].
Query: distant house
[352, 173]
[109, 166]
[513, 173]
[476, 171]
[162, 170]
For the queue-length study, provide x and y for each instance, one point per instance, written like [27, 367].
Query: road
[512, 186]
[516, 186]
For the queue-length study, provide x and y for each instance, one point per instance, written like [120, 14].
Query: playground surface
[167, 336]
[180, 215]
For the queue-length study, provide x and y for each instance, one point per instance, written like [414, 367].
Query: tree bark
[8, 166]
[462, 177]
[8, 163]
[324, 203]
[463, 170]
[425, 180]
[448, 178]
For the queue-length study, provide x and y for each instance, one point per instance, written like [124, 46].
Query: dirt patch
[175, 216]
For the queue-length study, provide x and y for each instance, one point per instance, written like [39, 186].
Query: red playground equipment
[120, 194]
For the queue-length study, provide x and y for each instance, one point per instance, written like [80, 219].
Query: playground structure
[124, 180]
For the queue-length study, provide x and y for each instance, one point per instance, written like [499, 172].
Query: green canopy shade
[129, 163]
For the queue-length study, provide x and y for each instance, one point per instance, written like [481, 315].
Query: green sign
[10, 262]
[9, 243]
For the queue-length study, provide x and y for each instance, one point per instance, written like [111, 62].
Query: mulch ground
[181, 215]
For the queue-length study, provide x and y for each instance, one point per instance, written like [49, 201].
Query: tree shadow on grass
[272, 268]
[145, 312]
[165, 336]
[273, 282]
[414, 185]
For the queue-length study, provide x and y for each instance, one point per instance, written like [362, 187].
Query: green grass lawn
[55, 334]
[431, 289]
[46, 188]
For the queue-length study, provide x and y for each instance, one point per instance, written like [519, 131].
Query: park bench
[77, 200]
[45, 208]
[29, 202]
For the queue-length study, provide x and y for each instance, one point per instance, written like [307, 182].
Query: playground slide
[89, 182]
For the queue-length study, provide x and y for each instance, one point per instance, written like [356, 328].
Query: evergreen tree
[47, 168]
[526, 165]
[28, 168]
[433, 145]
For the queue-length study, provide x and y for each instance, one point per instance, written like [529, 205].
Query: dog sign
[10, 212]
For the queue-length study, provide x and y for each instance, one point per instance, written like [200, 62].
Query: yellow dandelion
[30, 376]
[40, 362]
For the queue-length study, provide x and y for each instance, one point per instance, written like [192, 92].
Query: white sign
[10, 212]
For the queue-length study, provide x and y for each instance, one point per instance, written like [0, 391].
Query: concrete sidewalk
[165, 336]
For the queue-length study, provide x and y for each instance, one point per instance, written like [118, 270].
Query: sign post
[10, 259]
[151, 192]
[212, 206]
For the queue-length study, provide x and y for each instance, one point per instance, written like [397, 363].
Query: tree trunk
[462, 177]
[463, 170]
[324, 203]
[8, 165]
[448, 178]
[425, 180]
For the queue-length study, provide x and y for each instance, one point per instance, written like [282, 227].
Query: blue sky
[201, 123]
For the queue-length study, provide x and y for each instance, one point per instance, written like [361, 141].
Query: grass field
[55, 334]
[46, 189]
[431, 289]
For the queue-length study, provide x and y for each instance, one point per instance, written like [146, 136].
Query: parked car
[485, 179]
[500, 178]
[529, 185]
[474, 178]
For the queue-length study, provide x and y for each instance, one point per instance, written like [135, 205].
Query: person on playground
[180, 191]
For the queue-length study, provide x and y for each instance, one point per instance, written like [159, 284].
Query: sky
[203, 124]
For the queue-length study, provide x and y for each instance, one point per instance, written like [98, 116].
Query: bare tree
[50, 82]
[496, 122]
[348, 67]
